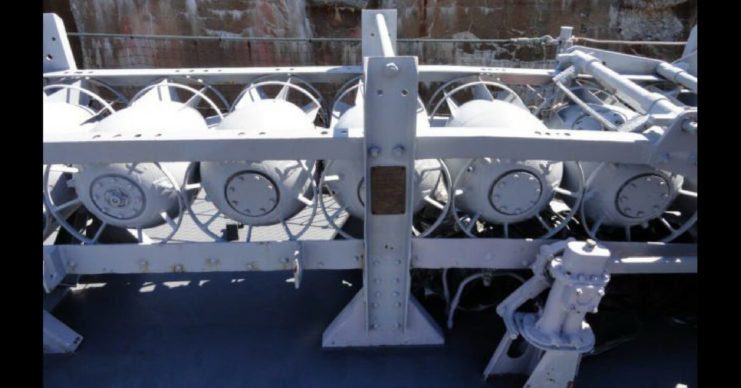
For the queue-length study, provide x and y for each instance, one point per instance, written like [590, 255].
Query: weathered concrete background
[614, 19]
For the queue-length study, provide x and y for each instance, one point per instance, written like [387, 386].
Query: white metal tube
[457, 298]
[633, 94]
[677, 74]
[586, 108]
[383, 35]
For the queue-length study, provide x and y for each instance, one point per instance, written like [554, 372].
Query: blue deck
[261, 332]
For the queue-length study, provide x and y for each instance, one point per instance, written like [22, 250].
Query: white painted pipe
[677, 74]
[630, 92]
[383, 35]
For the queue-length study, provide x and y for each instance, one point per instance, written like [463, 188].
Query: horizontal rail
[225, 37]
[628, 257]
[630, 42]
[314, 74]
[546, 39]
[493, 253]
[222, 145]
[270, 39]
[447, 142]
[552, 144]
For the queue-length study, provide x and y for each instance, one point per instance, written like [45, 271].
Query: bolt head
[590, 244]
[391, 69]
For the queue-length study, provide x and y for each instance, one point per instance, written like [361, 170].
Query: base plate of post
[349, 329]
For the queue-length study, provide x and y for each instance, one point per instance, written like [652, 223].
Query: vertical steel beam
[689, 55]
[57, 52]
[54, 270]
[384, 37]
[564, 38]
[58, 57]
[390, 129]
[384, 312]
[373, 38]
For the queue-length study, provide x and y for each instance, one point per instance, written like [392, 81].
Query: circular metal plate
[515, 193]
[644, 196]
[251, 193]
[118, 197]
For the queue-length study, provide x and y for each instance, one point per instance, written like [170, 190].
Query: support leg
[556, 369]
[58, 337]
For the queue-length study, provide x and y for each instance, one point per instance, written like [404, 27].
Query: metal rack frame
[383, 312]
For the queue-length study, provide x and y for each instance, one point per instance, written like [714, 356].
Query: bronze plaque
[388, 190]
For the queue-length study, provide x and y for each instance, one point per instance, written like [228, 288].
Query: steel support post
[384, 312]
[57, 52]
[565, 38]
[689, 55]
[58, 57]
[379, 33]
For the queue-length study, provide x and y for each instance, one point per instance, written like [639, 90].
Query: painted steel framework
[383, 312]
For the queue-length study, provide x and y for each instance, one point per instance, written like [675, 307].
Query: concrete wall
[615, 19]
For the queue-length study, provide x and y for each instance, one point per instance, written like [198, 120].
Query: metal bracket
[54, 269]
[348, 329]
[676, 150]
[58, 337]
[565, 38]
[298, 270]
